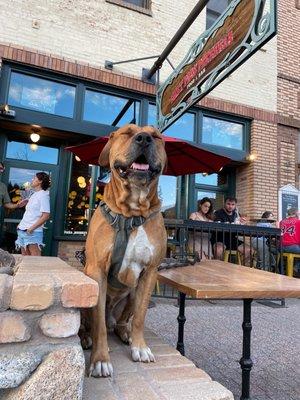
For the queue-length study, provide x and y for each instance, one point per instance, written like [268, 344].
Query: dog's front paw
[143, 354]
[101, 368]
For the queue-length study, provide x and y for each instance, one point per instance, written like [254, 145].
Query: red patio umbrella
[184, 157]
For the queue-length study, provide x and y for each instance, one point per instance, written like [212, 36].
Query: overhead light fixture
[77, 158]
[35, 137]
[5, 111]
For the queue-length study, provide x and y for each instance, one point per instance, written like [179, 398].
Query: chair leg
[238, 258]
[226, 256]
[290, 265]
[157, 287]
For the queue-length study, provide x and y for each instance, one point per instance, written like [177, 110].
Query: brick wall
[92, 32]
[66, 251]
[288, 101]
[256, 182]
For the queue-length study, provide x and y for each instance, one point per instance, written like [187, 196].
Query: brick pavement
[171, 377]
[213, 338]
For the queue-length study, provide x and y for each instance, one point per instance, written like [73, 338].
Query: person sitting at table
[261, 244]
[290, 233]
[200, 241]
[224, 240]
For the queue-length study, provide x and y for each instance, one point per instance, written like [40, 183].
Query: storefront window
[183, 128]
[223, 133]
[32, 152]
[43, 95]
[211, 180]
[167, 192]
[217, 198]
[214, 9]
[110, 110]
[78, 201]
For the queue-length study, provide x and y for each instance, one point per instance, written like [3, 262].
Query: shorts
[24, 239]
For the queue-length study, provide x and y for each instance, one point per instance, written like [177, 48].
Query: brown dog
[136, 157]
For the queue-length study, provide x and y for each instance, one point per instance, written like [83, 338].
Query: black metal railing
[190, 241]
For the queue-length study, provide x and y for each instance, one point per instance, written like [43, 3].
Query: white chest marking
[138, 253]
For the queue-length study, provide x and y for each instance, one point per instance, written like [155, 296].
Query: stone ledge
[41, 282]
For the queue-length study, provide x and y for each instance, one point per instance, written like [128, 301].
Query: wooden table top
[214, 279]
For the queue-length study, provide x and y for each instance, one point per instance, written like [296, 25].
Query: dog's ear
[104, 155]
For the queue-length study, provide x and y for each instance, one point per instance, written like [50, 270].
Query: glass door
[17, 177]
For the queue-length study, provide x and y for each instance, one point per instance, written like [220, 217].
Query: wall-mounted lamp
[5, 111]
[252, 157]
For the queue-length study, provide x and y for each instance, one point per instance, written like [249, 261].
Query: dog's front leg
[139, 349]
[100, 360]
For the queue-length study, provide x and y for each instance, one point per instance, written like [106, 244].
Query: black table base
[245, 362]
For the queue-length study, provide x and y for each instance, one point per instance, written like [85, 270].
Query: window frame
[108, 93]
[226, 151]
[213, 13]
[143, 10]
[45, 78]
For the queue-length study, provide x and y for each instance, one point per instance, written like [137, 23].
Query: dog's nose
[143, 139]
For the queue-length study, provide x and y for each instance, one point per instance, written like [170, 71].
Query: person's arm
[192, 216]
[11, 206]
[43, 218]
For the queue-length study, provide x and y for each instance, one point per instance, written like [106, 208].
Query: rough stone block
[15, 368]
[6, 283]
[80, 293]
[59, 376]
[60, 324]
[13, 328]
[32, 292]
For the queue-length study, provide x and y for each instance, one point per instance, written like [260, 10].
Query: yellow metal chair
[290, 257]
[235, 253]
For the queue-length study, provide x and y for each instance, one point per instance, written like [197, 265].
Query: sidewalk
[213, 341]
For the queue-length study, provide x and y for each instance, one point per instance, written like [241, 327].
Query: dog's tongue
[143, 167]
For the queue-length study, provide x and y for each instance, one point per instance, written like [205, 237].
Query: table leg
[181, 320]
[246, 362]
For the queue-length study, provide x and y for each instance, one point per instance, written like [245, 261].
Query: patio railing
[189, 241]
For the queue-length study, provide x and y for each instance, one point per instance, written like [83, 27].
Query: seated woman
[265, 258]
[200, 241]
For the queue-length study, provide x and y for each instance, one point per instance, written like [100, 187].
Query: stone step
[172, 377]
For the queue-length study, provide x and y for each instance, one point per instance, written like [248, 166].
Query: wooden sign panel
[239, 32]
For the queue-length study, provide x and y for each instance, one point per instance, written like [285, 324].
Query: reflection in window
[222, 133]
[110, 110]
[183, 128]
[32, 152]
[78, 201]
[167, 191]
[214, 9]
[41, 95]
[212, 179]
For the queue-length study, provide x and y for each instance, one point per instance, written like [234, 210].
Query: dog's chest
[139, 253]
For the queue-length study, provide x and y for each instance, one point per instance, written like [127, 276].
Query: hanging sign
[244, 27]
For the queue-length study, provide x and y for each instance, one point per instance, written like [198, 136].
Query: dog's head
[135, 154]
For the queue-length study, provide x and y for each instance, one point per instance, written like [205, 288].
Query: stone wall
[40, 353]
